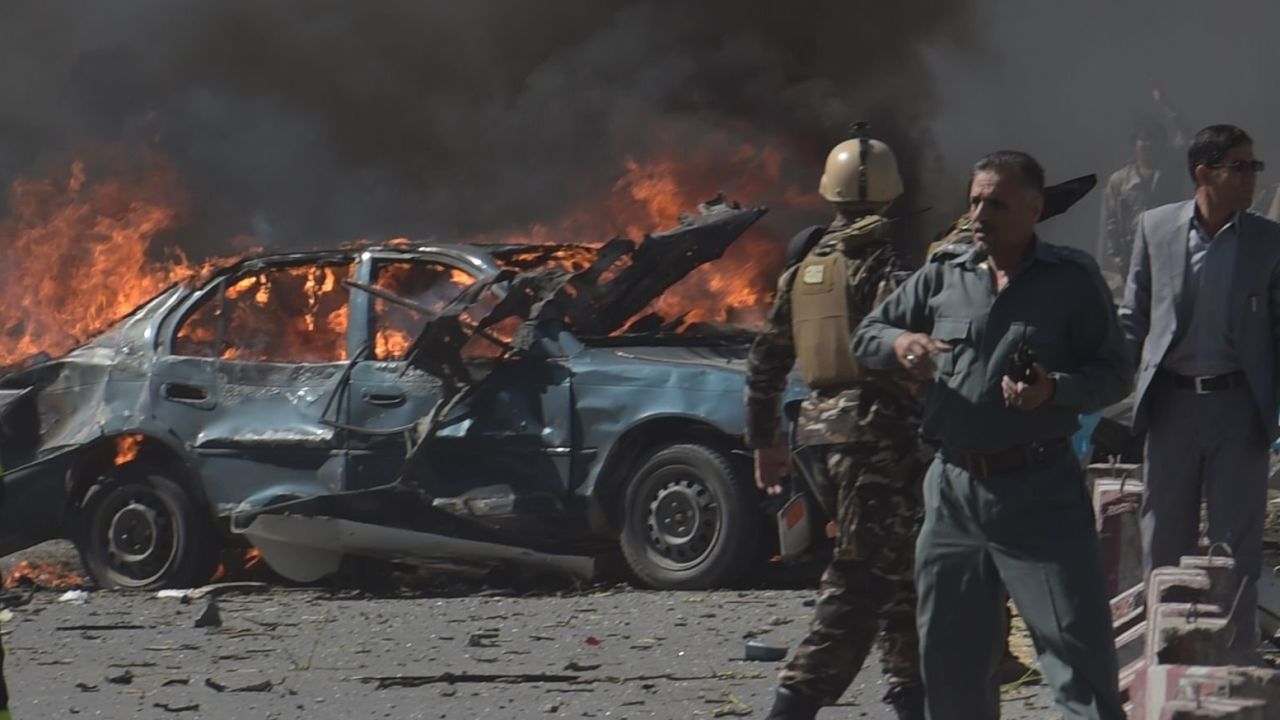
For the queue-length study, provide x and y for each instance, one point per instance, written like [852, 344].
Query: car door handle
[384, 399]
[183, 393]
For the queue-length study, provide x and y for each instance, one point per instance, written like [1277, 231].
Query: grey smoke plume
[310, 122]
[1068, 81]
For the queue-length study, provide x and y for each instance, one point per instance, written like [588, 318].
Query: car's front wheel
[141, 530]
[690, 520]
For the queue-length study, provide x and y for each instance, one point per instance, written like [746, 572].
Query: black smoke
[1068, 82]
[310, 122]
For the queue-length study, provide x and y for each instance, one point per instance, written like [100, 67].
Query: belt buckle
[1199, 384]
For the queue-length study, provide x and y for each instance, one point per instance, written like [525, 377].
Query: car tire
[691, 520]
[143, 531]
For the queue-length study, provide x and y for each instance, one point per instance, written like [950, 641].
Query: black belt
[1022, 457]
[1205, 384]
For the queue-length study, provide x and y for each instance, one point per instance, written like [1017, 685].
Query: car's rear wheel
[690, 520]
[142, 530]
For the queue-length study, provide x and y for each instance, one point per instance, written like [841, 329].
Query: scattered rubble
[758, 651]
[211, 617]
[1174, 633]
[343, 654]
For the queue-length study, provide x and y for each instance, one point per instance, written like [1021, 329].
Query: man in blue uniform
[1020, 337]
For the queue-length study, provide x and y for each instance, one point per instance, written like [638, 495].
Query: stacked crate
[1174, 635]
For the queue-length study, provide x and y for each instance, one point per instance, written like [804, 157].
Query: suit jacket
[1152, 318]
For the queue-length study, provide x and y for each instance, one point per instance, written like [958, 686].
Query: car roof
[482, 257]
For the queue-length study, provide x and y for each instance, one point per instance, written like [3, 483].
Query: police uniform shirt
[1056, 302]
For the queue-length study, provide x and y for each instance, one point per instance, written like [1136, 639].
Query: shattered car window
[430, 285]
[277, 314]
[198, 336]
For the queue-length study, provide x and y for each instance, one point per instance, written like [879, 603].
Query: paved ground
[304, 653]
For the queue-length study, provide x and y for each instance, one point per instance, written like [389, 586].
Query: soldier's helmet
[861, 170]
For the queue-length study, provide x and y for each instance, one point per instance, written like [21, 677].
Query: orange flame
[127, 447]
[77, 254]
[651, 196]
[239, 564]
[735, 289]
[82, 250]
[430, 286]
[47, 575]
[286, 314]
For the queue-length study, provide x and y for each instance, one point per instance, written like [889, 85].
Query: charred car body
[492, 396]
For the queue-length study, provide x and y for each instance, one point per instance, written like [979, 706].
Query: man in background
[1149, 181]
[1201, 316]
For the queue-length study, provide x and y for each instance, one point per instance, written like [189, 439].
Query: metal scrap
[623, 279]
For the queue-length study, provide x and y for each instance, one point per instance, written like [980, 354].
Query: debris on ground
[211, 617]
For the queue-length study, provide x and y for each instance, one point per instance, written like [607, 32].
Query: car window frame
[473, 262]
[218, 286]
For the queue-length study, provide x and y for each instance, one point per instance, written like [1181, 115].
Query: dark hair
[1003, 160]
[1211, 145]
[1150, 129]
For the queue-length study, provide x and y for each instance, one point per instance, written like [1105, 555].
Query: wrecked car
[501, 400]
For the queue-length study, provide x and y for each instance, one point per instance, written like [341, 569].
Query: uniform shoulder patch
[813, 274]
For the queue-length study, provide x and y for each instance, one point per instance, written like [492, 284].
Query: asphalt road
[462, 652]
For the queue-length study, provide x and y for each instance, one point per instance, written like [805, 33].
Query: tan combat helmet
[862, 171]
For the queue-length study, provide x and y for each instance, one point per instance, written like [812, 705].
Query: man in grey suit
[1201, 316]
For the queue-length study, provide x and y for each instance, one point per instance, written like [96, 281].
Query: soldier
[863, 424]
[1151, 180]
[1019, 337]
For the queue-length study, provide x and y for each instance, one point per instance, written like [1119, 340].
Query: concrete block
[1212, 689]
[1224, 586]
[1116, 505]
[1187, 634]
[1131, 645]
[1213, 710]
[1178, 585]
[1113, 471]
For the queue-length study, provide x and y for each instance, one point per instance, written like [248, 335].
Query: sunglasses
[1241, 166]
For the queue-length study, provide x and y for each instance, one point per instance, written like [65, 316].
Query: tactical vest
[821, 326]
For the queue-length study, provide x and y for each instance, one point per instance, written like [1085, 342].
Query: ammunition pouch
[820, 323]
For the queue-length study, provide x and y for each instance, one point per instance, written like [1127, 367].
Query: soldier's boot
[907, 703]
[791, 705]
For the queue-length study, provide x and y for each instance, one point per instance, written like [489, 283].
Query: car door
[386, 396]
[513, 444]
[252, 365]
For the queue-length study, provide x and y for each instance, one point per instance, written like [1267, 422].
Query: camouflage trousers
[867, 592]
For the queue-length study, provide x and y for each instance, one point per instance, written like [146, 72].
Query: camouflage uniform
[867, 436]
[1126, 196]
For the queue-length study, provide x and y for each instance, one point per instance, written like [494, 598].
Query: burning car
[405, 401]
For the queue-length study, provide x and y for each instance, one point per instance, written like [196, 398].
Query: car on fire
[407, 401]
